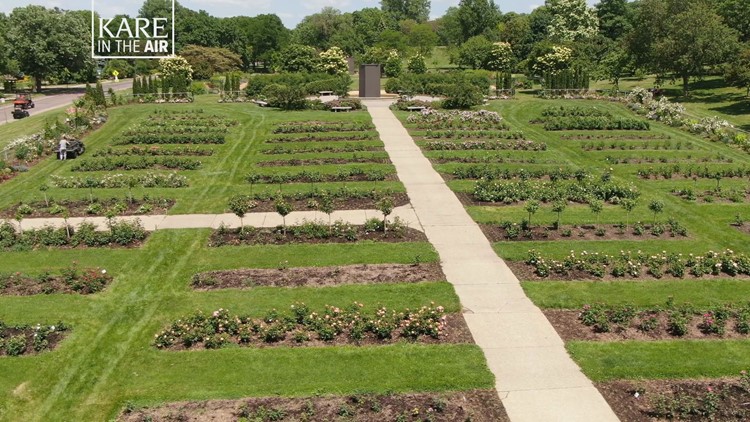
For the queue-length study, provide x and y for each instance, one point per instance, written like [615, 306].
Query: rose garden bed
[508, 231]
[474, 405]
[69, 280]
[84, 208]
[317, 232]
[318, 276]
[17, 340]
[301, 326]
[343, 199]
[129, 234]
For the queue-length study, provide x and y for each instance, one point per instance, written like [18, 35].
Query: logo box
[142, 37]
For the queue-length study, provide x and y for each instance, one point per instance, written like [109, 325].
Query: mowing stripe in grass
[661, 359]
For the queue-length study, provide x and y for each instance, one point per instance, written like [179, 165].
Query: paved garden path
[535, 378]
[257, 219]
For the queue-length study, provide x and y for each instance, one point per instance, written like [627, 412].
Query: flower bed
[146, 138]
[668, 172]
[323, 138]
[120, 233]
[474, 406]
[354, 158]
[343, 175]
[81, 208]
[140, 163]
[735, 195]
[503, 173]
[300, 325]
[623, 146]
[311, 127]
[510, 192]
[519, 145]
[17, 340]
[69, 280]
[313, 149]
[629, 264]
[509, 231]
[472, 134]
[472, 120]
[594, 123]
[155, 151]
[318, 232]
[661, 322]
[343, 198]
[148, 180]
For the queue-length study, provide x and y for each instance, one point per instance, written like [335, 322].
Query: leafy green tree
[240, 205]
[207, 61]
[327, 206]
[614, 18]
[478, 17]
[475, 52]
[423, 38]
[549, 59]
[499, 59]
[318, 30]
[368, 24]
[558, 207]
[737, 71]
[297, 58]
[284, 208]
[531, 208]
[417, 10]
[385, 206]
[596, 206]
[572, 20]
[665, 40]
[628, 205]
[515, 29]
[392, 40]
[614, 65]
[736, 14]
[656, 207]
[449, 29]
[45, 41]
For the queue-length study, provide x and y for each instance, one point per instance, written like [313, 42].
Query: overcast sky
[290, 11]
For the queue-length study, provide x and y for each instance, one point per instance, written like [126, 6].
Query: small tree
[531, 207]
[628, 205]
[417, 65]
[326, 205]
[283, 208]
[239, 205]
[656, 207]
[558, 207]
[66, 216]
[385, 205]
[131, 182]
[19, 218]
[43, 188]
[393, 67]
[596, 206]
[253, 178]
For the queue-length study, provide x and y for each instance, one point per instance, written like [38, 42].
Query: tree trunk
[685, 82]
[38, 81]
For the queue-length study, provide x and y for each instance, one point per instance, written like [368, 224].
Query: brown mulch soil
[495, 233]
[733, 400]
[745, 228]
[570, 328]
[275, 236]
[455, 332]
[474, 405]
[334, 178]
[319, 276]
[614, 137]
[322, 161]
[78, 208]
[399, 199]
[526, 272]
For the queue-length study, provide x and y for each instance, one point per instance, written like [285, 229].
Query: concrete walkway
[535, 378]
[258, 219]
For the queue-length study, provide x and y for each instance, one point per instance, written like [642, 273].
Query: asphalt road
[56, 100]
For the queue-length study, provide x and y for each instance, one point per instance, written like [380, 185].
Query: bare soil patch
[323, 161]
[475, 405]
[318, 276]
[570, 328]
[651, 400]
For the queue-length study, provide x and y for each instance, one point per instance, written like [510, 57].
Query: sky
[290, 11]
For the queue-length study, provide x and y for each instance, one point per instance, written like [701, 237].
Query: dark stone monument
[369, 81]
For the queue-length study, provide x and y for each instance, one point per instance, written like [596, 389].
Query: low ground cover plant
[317, 127]
[155, 151]
[302, 324]
[580, 191]
[468, 120]
[146, 180]
[139, 163]
[520, 145]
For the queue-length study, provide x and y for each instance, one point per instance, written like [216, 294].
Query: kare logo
[124, 37]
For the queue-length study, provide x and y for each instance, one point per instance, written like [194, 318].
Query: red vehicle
[24, 101]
